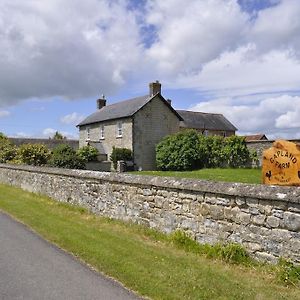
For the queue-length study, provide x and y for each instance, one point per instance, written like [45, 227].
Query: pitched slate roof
[256, 137]
[122, 109]
[209, 121]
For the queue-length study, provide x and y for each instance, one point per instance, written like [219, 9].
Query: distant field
[230, 175]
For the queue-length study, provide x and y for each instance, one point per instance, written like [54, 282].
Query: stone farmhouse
[141, 123]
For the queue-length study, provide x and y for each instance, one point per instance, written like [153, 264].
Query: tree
[7, 149]
[58, 136]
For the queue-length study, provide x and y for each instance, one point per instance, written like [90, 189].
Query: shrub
[178, 152]
[7, 149]
[214, 146]
[120, 154]
[33, 154]
[88, 153]
[189, 150]
[236, 152]
[64, 156]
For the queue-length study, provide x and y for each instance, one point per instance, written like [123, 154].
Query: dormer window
[102, 132]
[119, 129]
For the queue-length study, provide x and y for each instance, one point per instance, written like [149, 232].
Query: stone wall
[151, 124]
[260, 146]
[50, 143]
[105, 145]
[264, 219]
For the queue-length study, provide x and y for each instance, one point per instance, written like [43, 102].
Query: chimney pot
[154, 88]
[101, 102]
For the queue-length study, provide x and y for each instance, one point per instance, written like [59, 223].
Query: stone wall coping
[257, 191]
[271, 141]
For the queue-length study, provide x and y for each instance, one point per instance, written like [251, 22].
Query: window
[101, 132]
[119, 129]
[224, 134]
[88, 133]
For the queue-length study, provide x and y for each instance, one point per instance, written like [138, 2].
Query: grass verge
[229, 175]
[142, 259]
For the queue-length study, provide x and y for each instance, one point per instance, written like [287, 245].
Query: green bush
[236, 152]
[120, 154]
[7, 149]
[64, 156]
[188, 150]
[88, 153]
[178, 152]
[33, 154]
[214, 146]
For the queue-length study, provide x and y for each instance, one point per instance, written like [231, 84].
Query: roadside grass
[229, 175]
[151, 263]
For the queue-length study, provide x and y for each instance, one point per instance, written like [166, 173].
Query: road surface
[33, 269]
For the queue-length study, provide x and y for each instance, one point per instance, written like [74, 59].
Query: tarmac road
[32, 268]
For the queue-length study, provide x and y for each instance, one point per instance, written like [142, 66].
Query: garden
[188, 154]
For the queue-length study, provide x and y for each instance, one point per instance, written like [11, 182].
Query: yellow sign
[281, 164]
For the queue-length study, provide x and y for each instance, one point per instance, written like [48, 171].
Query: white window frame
[119, 128]
[102, 130]
[88, 133]
[206, 132]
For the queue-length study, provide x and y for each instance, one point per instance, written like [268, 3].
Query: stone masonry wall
[105, 145]
[151, 124]
[264, 219]
[260, 146]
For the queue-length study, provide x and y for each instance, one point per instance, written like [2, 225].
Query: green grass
[142, 259]
[230, 175]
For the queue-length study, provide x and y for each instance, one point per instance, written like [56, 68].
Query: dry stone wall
[264, 219]
[261, 146]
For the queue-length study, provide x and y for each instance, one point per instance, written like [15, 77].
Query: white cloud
[247, 61]
[193, 33]
[4, 113]
[66, 48]
[49, 132]
[278, 27]
[73, 118]
[277, 117]
[239, 74]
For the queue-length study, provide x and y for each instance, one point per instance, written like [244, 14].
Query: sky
[240, 58]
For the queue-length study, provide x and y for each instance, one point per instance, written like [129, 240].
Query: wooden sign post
[281, 164]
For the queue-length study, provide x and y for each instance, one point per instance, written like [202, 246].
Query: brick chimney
[101, 102]
[154, 88]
